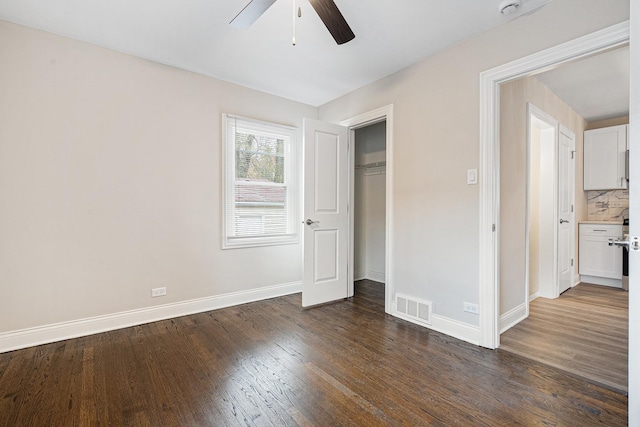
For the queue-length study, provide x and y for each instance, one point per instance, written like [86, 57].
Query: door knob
[309, 222]
[631, 243]
[562, 221]
[619, 242]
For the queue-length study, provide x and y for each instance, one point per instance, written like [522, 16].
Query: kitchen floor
[584, 332]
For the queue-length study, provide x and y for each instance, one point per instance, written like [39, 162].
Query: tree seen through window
[259, 158]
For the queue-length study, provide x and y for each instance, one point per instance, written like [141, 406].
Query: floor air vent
[413, 308]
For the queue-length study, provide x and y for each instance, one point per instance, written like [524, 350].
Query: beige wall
[514, 97]
[436, 139]
[110, 182]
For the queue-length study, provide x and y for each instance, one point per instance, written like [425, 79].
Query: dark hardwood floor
[585, 331]
[273, 363]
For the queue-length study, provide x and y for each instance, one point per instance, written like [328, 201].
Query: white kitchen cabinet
[600, 263]
[604, 158]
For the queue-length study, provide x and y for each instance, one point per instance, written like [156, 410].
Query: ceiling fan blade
[251, 13]
[333, 20]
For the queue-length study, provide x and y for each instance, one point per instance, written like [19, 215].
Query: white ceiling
[596, 87]
[195, 35]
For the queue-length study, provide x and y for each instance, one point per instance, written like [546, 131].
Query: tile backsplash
[607, 205]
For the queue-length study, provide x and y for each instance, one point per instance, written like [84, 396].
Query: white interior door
[326, 219]
[566, 196]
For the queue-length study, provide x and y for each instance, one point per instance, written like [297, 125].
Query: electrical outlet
[158, 292]
[616, 204]
[471, 308]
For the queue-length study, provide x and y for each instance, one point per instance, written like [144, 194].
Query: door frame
[490, 81]
[558, 128]
[365, 119]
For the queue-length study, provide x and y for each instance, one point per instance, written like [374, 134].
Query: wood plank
[584, 332]
[273, 363]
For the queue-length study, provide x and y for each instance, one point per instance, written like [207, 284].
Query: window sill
[254, 242]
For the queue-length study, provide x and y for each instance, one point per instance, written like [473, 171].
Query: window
[261, 193]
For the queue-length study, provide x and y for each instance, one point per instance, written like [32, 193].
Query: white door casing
[326, 219]
[365, 119]
[566, 214]
[555, 205]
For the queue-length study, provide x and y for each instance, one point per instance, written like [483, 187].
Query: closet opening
[369, 214]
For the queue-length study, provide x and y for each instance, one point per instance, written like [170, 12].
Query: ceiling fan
[326, 10]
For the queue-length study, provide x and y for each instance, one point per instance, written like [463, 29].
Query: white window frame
[291, 174]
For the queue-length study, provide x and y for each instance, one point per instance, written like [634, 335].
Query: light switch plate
[472, 176]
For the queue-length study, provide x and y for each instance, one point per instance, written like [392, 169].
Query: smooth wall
[514, 97]
[436, 140]
[110, 183]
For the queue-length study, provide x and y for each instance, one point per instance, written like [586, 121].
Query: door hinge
[573, 154]
[571, 262]
[571, 208]
[493, 227]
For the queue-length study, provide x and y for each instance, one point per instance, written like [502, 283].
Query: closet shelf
[372, 165]
[373, 168]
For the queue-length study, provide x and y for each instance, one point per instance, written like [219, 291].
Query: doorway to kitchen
[491, 84]
[490, 91]
[584, 330]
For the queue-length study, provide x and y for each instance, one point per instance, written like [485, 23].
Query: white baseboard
[447, 326]
[376, 276]
[15, 340]
[603, 281]
[455, 328]
[513, 317]
[534, 296]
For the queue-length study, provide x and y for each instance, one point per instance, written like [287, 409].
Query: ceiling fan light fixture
[507, 7]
